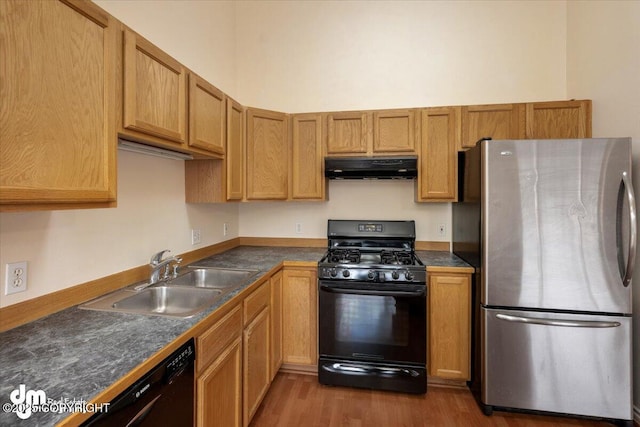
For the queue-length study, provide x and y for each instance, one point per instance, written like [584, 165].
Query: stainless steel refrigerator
[550, 226]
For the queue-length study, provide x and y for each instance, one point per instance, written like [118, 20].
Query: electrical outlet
[442, 229]
[16, 278]
[195, 236]
[298, 228]
[225, 228]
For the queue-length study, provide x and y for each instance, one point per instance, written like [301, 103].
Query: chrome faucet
[157, 263]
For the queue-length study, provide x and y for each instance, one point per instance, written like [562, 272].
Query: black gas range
[372, 299]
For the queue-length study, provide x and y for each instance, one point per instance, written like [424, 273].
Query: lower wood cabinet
[219, 373]
[300, 318]
[219, 388]
[449, 326]
[275, 325]
[256, 351]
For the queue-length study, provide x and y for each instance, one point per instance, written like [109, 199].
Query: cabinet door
[449, 326]
[57, 114]
[437, 174]
[235, 151]
[267, 155]
[560, 119]
[500, 121]
[276, 324]
[299, 317]
[219, 390]
[395, 131]
[347, 133]
[307, 175]
[207, 118]
[256, 364]
[155, 91]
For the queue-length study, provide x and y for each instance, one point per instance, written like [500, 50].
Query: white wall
[300, 56]
[347, 200]
[327, 56]
[604, 65]
[65, 248]
[199, 34]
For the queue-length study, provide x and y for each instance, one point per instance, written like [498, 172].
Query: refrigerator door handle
[557, 322]
[631, 258]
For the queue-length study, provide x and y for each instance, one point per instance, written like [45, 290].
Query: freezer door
[556, 224]
[572, 364]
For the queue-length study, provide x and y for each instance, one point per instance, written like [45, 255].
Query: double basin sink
[186, 295]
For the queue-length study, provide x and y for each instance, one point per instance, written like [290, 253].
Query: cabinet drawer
[254, 303]
[213, 342]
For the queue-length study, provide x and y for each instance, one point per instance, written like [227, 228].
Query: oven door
[372, 322]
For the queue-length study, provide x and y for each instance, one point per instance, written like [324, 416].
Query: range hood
[404, 167]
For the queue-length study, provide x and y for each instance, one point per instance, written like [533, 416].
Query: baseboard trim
[283, 241]
[291, 368]
[432, 246]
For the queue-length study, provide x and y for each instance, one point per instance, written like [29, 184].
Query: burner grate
[345, 256]
[396, 258]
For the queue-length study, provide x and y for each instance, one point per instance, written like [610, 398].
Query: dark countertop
[76, 354]
[441, 259]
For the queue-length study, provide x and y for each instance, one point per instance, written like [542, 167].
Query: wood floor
[299, 401]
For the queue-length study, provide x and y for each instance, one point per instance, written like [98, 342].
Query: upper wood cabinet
[347, 133]
[217, 181]
[395, 131]
[437, 165]
[498, 121]
[267, 158]
[57, 127]
[307, 165]
[155, 91]
[449, 326]
[558, 119]
[234, 160]
[207, 115]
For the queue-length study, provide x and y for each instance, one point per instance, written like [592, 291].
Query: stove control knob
[371, 274]
[345, 273]
[408, 275]
[395, 275]
[333, 272]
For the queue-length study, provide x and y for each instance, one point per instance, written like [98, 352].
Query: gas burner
[344, 256]
[396, 258]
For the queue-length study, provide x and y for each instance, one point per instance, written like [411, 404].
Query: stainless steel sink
[186, 295]
[169, 301]
[212, 277]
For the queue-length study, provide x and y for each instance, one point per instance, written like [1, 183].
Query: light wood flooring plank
[298, 400]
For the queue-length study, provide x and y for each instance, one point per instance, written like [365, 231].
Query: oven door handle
[341, 290]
